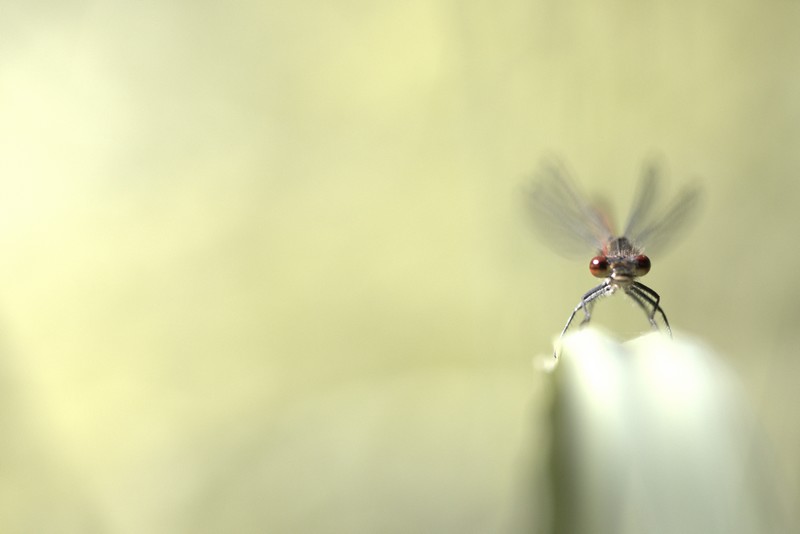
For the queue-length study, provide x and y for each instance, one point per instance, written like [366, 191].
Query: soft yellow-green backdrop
[266, 268]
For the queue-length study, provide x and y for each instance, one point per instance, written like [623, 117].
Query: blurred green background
[266, 266]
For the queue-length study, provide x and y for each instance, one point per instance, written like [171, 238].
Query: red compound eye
[599, 267]
[642, 265]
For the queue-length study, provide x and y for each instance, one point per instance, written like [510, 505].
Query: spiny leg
[587, 313]
[652, 298]
[650, 311]
[586, 300]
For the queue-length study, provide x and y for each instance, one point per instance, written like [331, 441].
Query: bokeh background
[266, 266]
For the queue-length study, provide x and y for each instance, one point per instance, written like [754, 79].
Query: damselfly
[570, 222]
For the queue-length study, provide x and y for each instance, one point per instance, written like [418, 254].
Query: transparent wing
[655, 230]
[562, 215]
[644, 200]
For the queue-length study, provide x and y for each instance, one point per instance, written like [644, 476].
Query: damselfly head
[620, 260]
